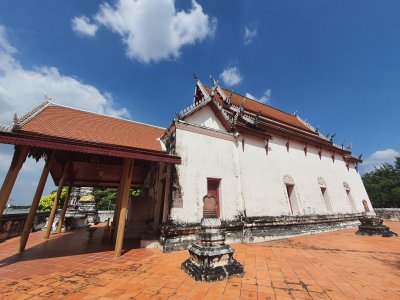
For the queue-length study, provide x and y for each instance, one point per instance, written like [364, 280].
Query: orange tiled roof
[64, 122]
[266, 111]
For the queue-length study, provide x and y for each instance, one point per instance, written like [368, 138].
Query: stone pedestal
[371, 225]
[210, 258]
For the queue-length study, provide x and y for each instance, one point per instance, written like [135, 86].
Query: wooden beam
[35, 202]
[64, 209]
[56, 200]
[124, 195]
[18, 160]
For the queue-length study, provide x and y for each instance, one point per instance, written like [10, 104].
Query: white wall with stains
[252, 180]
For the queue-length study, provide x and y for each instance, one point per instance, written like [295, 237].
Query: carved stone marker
[210, 258]
[371, 225]
[210, 208]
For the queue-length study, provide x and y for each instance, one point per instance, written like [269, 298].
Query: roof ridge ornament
[47, 97]
[19, 122]
[202, 89]
[15, 119]
[305, 122]
[256, 120]
[192, 107]
[215, 82]
[349, 147]
[5, 128]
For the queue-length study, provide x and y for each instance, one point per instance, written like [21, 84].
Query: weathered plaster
[252, 179]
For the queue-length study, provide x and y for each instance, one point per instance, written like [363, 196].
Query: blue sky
[336, 63]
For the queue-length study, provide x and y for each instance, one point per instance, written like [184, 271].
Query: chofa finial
[215, 82]
[15, 119]
[47, 98]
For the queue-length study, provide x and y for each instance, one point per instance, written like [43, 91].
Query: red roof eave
[34, 140]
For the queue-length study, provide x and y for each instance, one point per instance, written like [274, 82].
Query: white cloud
[83, 26]
[380, 157]
[250, 96]
[250, 32]
[154, 30]
[231, 76]
[264, 97]
[21, 89]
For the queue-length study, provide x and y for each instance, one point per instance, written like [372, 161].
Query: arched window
[349, 196]
[325, 195]
[291, 194]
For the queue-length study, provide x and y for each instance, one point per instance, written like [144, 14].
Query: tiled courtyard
[335, 265]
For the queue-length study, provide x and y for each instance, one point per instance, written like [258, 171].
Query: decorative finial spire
[195, 76]
[15, 119]
[350, 146]
[295, 113]
[215, 82]
[333, 135]
[317, 129]
[359, 157]
[47, 98]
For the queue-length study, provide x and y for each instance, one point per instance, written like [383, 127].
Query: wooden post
[35, 202]
[117, 207]
[166, 196]
[64, 209]
[56, 200]
[116, 213]
[18, 160]
[124, 186]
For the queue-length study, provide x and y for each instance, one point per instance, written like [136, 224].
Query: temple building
[273, 175]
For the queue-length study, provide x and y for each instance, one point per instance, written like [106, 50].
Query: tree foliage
[383, 185]
[46, 202]
[106, 197]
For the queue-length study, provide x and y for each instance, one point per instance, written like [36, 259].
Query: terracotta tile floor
[336, 265]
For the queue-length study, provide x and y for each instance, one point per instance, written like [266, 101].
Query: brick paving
[335, 265]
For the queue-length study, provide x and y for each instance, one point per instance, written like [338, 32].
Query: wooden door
[213, 189]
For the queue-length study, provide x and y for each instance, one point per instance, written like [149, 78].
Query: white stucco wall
[205, 157]
[206, 118]
[251, 180]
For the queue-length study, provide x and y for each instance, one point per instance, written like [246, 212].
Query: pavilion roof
[53, 126]
[64, 122]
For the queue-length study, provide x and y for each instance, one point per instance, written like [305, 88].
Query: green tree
[105, 198]
[46, 202]
[383, 185]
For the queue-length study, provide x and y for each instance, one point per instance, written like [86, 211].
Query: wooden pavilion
[87, 149]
